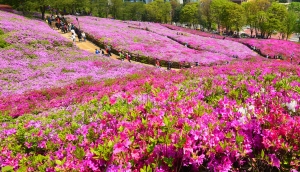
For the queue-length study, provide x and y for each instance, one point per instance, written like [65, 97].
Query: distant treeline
[263, 17]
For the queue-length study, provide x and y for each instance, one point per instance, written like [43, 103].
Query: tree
[189, 13]
[289, 23]
[206, 14]
[133, 10]
[258, 18]
[158, 11]
[115, 7]
[295, 7]
[276, 14]
[41, 5]
[250, 12]
[232, 16]
[176, 8]
[21, 5]
[217, 10]
[100, 8]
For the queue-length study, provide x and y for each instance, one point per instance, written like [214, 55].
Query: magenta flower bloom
[274, 160]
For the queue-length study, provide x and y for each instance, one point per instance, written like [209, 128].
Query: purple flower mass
[63, 109]
[269, 47]
[40, 58]
[150, 44]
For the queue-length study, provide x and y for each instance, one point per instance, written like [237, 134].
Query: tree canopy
[263, 17]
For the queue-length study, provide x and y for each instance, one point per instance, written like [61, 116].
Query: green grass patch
[64, 70]
[3, 43]
[84, 81]
[8, 70]
[110, 81]
[31, 56]
[43, 42]
[1, 32]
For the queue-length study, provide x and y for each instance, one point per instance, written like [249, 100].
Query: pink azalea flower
[274, 160]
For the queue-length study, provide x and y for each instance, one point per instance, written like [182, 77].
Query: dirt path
[90, 47]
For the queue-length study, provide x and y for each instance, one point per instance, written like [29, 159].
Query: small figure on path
[72, 26]
[169, 65]
[79, 35]
[69, 27]
[108, 49]
[83, 36]
[72, 31]
[49, 21]
[128, 57]
[97, 51]
[73, 37]
[157, 63]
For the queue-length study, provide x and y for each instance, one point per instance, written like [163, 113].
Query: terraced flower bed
[204, 43]
[235, 117]
[269, 47]
[144, 44]
[226, 118]
[33, 57]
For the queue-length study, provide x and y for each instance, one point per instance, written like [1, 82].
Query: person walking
[79, 35]
[108, 50]
[97, 51]
[73, 31]
[157, 63]
[73, 37]
[128, 57]
[49, 21]
[83, 36]
[69, 27]
[169, 65]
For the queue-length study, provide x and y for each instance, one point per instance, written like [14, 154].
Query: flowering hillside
[220, 118]
[33, 56]
[275, 47]
[110, 116]
[269, 47]
[226, 47]
[149, 44]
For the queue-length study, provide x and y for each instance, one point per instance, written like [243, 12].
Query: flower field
[217, 118]
[89, 113]
[149, 44]
[266, 46]
[226, 47]
[276, 47]
[37, 57]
